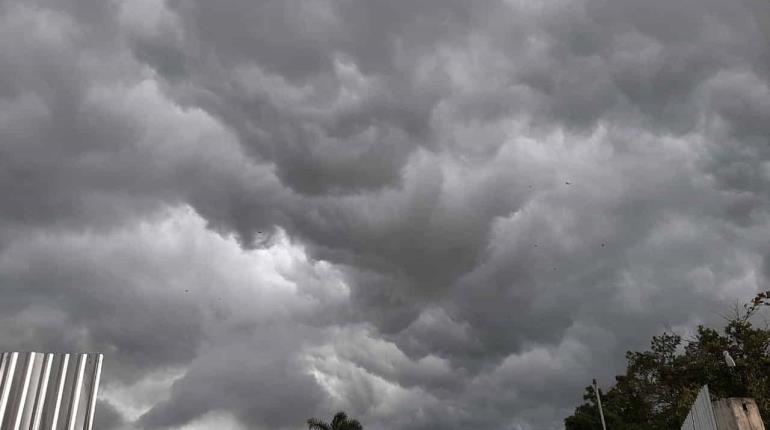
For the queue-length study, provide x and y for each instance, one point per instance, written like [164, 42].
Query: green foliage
[660, 385]
[340, 421]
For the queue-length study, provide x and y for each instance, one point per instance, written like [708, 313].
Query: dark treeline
[660, 384]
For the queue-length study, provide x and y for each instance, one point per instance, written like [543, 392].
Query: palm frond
[316, 424]
[352, 425]
[339, 420]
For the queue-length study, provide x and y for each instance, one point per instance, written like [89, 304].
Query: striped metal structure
[46, 391]
[701, 415]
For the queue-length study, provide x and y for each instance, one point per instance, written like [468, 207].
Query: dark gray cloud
[430, 213]
[106, 416]
[251, 376]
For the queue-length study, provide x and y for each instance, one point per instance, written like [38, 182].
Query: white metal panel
[97, 374]
[76, 389]
[701, 415]
[43, 392]
[26, 379]
[5, 390]
[61, 378]
[35, 379]
[40, 397]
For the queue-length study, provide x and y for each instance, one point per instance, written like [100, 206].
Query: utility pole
[599, 402]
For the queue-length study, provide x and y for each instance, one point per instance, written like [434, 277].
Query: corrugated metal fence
[43, 391]
[701, 416]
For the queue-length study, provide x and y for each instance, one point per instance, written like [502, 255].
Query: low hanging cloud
[429, 214]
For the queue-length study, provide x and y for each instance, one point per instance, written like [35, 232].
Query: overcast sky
[429, 213]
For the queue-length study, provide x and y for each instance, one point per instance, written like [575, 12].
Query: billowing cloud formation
[430, 213]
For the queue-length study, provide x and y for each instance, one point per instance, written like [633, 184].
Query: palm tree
[339, 422]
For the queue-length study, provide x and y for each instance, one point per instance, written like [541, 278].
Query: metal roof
[701, 415]
[48, 391]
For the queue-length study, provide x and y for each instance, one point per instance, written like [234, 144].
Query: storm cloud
[434, 213]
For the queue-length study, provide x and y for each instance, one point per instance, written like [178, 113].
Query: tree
[340, 421]
[660, 385]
